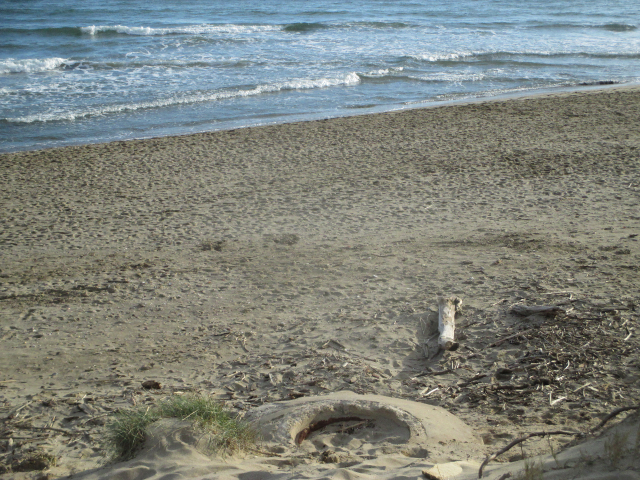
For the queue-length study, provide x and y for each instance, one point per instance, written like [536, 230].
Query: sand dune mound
[330, 436]
[350, 436]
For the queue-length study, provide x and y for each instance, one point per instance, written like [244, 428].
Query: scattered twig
[435, 372]
[53, 429]
[221, 334]
[15, 411]
[94, 418]
[473, 379]
[467, 325]
[510, 387]
[526, 310]
[262, 452]
[332, 343]
[510, 337]
[424, 392]
[583, 386]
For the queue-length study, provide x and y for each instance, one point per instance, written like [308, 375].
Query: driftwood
[613, 414]
[447, 322]
[520, 440]
[526, 310]
[517, 441]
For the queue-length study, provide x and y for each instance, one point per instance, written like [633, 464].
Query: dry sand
[287, 261]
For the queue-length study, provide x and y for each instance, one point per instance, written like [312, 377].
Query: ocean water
[74, 72]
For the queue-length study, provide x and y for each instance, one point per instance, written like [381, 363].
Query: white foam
[450, 77]
[384, 72]
[30, 65]
[439, 57]
[298, 84]
[190, 30]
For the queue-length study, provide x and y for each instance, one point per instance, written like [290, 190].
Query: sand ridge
[276, 262]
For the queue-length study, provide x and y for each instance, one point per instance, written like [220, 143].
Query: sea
[75, 72]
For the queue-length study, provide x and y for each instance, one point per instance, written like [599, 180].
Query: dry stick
[94, 418]
[424, 392]
[473, 379]
[613, 414]
[435, 373]
[263, 452]
[583, 386]
[520, 440]
[15, 411]
[526, 310]
[221, 334]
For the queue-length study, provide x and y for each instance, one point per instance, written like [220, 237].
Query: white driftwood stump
[447, 322]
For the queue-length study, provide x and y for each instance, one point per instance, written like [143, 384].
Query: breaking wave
[299, 84]
[30, 65]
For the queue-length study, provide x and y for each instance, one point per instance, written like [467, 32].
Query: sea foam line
[492, 55]
[191, 30]
[611, 26]
[298, 84]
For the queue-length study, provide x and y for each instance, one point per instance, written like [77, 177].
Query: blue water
[74, 72]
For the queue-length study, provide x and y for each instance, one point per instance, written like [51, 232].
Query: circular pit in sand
[363, 425]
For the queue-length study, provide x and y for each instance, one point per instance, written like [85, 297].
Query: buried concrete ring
[388, 424]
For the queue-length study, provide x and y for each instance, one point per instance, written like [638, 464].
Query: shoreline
[428, 104]
[263, 264]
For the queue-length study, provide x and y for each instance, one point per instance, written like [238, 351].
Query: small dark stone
[151, 385]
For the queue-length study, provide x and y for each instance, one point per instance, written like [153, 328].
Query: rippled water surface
[78, 72]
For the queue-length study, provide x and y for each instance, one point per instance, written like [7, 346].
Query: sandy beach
[288, 261]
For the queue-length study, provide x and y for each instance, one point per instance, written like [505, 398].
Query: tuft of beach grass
[615, 448]
[531, 471]
[226, 433]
